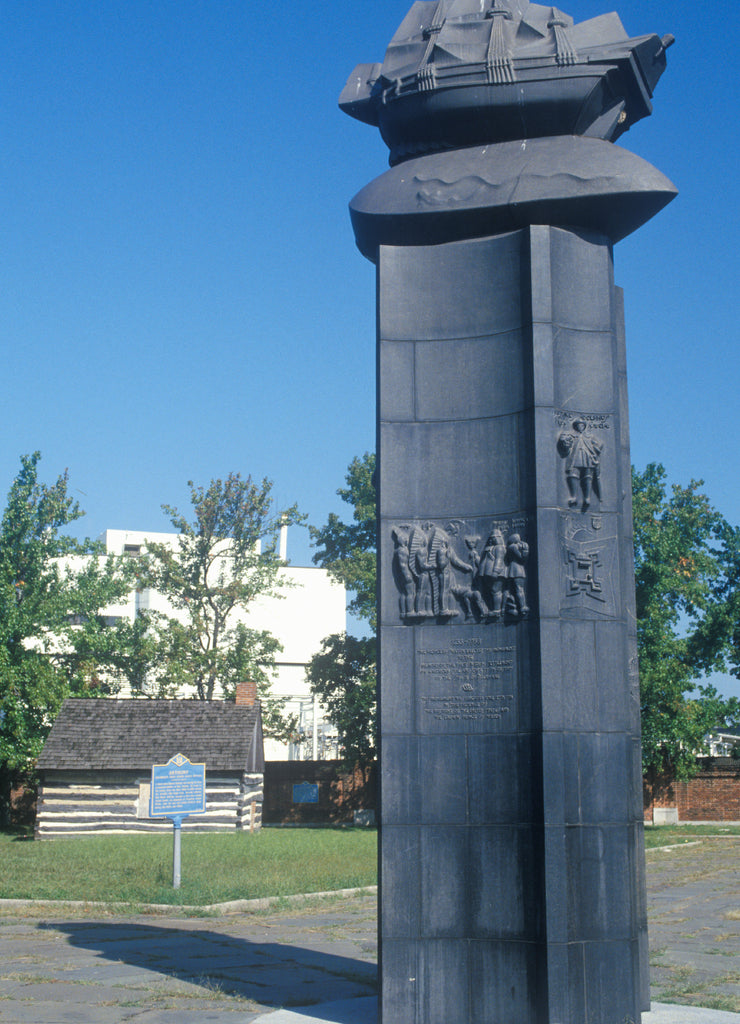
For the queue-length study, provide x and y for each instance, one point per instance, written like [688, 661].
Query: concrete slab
[364, 1011]
[76, 1013]
[665, 1013]
[347, 1011]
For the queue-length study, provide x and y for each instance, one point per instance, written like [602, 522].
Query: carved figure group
[435, 582]
[581, 450]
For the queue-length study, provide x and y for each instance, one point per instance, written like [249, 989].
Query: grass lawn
[215, 866]
[675, 835]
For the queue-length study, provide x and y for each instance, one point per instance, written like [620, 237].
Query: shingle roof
[101, 734]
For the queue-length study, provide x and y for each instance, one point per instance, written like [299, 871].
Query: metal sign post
[176, 839]
[178, 789]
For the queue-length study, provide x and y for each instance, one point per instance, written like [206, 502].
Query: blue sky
[180, 294]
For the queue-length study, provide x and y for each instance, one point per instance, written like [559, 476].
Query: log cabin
[95, 767]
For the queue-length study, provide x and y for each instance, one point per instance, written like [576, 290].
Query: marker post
[176, 843]
[178, 789]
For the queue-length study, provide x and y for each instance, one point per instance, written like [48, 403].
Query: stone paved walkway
[83, 967]
[694, 920]
[87, 968]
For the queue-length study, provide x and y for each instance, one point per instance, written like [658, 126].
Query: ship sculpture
[462, 73]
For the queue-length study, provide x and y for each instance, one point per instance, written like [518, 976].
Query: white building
[309, 610]
[722, 744]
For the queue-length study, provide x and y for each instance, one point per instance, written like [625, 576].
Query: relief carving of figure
[466, 592]
[420, 569]
[402, 569]
[581, 450]
[492, 571]
[434, 581]
[442, 559]
[517, 553]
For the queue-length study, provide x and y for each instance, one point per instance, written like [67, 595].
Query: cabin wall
[81, 803]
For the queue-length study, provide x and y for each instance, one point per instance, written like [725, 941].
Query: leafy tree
[687, 564]
[343, 674]
[127, 648]
[343, 677]
[721, 627]
[53, 641]
[685, 598]
[225, 559]
[347, 550]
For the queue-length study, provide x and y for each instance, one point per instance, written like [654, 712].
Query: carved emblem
[583, 574]
[588, 558]
[442, 572]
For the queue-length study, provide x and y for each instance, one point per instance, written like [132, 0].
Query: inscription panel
[466, 684]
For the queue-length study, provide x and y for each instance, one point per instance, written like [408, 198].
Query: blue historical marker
[178, 789]
[305, 793]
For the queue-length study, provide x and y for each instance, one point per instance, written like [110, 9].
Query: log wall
[117, 802]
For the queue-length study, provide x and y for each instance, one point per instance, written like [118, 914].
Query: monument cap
[569, 181]
[461, 73]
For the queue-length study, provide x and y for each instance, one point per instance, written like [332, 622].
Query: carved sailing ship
[463, 73]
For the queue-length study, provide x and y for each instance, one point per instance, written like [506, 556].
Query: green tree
[343, 673]
[687, 564]
[684, 600]
[343, 676]
[721, 627]
[347, 550]
[225, 558]
[53, 640]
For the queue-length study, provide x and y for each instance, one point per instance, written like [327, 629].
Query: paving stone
[245, 969]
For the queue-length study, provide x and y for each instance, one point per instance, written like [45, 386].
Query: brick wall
[712, 795]
[658, 795]
[340, 792]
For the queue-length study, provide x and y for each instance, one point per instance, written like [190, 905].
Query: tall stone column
[512, 885]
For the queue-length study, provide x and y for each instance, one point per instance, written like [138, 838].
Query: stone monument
[512, 869]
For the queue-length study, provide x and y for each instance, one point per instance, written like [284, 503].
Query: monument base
[512, 877]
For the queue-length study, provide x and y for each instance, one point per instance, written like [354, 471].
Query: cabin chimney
[246, 694]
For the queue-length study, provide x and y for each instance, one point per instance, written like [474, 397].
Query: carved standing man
[517, 553]
[442, 558]
[404, 576]
[582, 453]
[493, 573]
[420, 568]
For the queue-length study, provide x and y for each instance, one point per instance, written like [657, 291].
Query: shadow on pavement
[273, 974]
